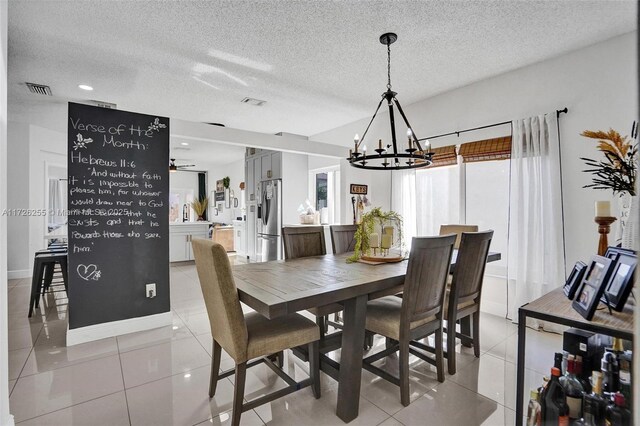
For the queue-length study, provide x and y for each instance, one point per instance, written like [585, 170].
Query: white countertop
[189, 223]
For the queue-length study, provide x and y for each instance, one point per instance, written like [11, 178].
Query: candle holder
[604, 226]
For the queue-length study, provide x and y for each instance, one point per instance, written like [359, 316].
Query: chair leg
[215, 369]
[465, 328]
[368, 340]
[389, 342]
[439, 356]
[404, 373]
[322, 324]
[238, 393]
[337, 317]
[314, 368]
[451, 347]
[476, 334]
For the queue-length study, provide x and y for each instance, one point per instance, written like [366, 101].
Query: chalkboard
[118, 222]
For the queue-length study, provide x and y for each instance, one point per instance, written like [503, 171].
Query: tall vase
[628, 220]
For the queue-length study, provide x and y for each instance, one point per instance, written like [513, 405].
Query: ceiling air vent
[39, 89]
[252, 101]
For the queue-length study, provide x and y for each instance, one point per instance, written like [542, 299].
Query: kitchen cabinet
[180, 237]
[276, 165]
[266, 172]
[239, 237]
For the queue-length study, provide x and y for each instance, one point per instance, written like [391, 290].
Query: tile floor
[160, 377]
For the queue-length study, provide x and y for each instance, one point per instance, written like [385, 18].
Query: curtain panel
[536, 240]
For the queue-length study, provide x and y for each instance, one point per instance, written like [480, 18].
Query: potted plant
[366, 227]
[226, 181]
[200, 207]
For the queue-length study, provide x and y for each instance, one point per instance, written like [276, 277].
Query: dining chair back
[458, 230]
[227, 322]
[426, 278]
[303, 241]
[343, 238]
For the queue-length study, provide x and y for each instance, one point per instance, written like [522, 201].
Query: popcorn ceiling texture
[318, 65]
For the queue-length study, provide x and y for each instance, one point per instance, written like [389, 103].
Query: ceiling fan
[173, 168]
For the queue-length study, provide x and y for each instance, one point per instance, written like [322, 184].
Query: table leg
[522, 334]
[351, 358]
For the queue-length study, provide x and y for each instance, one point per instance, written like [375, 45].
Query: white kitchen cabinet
[266, 172]
[250, 181]
[240, 237]
[180, 237]
[276, 165]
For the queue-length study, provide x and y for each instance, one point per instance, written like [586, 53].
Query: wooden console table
[555, 307]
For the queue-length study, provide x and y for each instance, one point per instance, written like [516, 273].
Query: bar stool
[44, 264]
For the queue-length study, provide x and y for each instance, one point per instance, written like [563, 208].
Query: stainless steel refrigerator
[269, 226]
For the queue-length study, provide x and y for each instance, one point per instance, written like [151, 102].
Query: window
[324, 193]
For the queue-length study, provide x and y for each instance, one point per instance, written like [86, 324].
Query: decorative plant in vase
[617, 172]
[200, 206]
[366, 227]
[226, 181]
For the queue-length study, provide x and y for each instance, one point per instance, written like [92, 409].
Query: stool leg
[34, 286]
[49, 270]
[65, 274]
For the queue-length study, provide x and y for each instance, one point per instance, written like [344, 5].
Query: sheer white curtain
[438, 200]
[403, 201]
[536, 241]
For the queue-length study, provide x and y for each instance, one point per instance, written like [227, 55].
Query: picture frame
[358, 189]
[575, 279]
[613, 252]
[227, 198]
[219, 186]
[592, 286]
[219, 196]
[618, 288]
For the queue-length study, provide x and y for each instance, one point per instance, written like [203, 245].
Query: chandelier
[390, 156]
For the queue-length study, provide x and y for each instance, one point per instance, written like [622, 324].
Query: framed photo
[227, 198]
[618, 288]
[592, 286]
[219, 196]
[613, 252]
[575, 279]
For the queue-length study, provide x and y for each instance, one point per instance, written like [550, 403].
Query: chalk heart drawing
[88, 272]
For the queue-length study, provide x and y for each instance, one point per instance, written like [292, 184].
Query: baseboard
[9, 421]
[18, 274]
[493, 308]
[116, 328]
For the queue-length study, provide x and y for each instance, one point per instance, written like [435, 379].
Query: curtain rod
[558, 112]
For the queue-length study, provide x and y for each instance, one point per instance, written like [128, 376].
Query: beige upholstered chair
[250, 336]
[343, 238]
[458, 230]
[463, 300]
[418, 314]
[305, 241]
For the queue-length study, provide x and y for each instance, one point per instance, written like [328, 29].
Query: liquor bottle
[573, 389]
[557, 361]
[594, 405]
[534, 415]
[624, 374]
[581, 375]
[616, 414]
[610, 370]
[563, 413]
[553, 400]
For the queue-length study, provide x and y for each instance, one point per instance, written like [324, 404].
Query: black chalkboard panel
[118, 214]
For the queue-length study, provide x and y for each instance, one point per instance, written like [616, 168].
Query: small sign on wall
[358, 189]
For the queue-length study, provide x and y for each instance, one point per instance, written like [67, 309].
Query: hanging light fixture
[390, 156]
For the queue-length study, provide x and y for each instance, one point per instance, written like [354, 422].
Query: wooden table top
[556, 307]
[283, 287]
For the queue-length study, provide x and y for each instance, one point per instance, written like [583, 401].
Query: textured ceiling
[318, 64]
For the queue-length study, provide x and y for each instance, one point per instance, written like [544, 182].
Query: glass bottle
[609, 367]
[573, 389]
[553, 400]
[580, 373]
[557, 361]
[624, 374]
[534, 415]
[616, 414]
[594, 405]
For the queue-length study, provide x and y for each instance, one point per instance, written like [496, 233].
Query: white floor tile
[248, 418]
[163, 360]
[108, 410]
[53, 390]
[17, 360]
[176, 331]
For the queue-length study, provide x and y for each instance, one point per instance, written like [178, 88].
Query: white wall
[295, 186]
[18, 198]
[599, 86]
[5, 416]
[235, 171]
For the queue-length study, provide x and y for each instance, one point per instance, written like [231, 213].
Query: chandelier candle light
[390, 157]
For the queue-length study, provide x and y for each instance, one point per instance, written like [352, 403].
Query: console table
[556, 307]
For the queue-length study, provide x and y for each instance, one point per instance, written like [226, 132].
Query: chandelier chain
[388, 65]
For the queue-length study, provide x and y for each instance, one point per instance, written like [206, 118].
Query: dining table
[283, 287]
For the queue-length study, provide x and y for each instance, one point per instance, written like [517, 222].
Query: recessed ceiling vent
[253, 101]
[181, 148]
[39, 89]
[103, 104]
